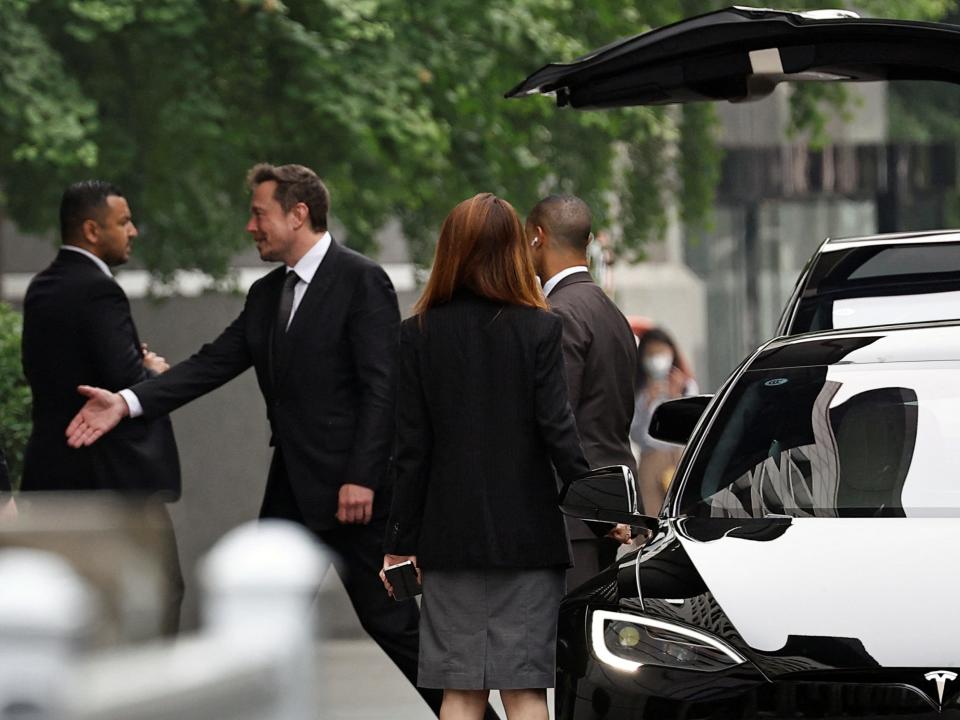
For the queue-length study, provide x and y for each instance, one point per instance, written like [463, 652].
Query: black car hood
[743, 53]
[863, 592]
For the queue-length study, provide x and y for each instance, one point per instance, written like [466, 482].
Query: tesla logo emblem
[940, 677]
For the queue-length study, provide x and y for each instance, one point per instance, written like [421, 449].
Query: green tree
[14, 394]
[398, 105]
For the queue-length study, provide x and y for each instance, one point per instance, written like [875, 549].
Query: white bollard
[44, 607]
[259, 583]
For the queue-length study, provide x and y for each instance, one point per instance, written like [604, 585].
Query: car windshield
[846, 440]
[861, 286]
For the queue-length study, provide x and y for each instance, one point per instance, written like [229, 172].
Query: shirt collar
[99, 263]
[552, 283]
[306, 268]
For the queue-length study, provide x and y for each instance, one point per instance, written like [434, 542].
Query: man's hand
[356, 504]
[152, 361]
[621, 533]
[390, 561]
[102, 412]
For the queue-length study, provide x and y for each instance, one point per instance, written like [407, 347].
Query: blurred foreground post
[44, 606]
[251, 660]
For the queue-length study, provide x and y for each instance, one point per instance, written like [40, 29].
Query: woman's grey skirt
[489, 629]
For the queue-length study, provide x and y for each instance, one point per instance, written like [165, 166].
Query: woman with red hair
[483, 418]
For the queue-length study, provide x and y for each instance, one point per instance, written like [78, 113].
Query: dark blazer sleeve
[576, 345]
[554, 416]
[213, 365]
[373, 328]
[414, 447]
[111, 337]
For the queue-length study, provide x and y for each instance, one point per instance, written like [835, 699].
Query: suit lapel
[306, 317]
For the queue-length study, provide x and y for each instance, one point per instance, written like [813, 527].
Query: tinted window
[875, 285]
[844, 440]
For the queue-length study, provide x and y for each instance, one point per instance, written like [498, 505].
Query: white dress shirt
[305, 269]
[97, 261]
[550, 284]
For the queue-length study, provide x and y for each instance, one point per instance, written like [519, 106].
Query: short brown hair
[295, 184]
[482, 247]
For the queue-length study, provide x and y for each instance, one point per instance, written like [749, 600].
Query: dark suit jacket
[329, 397]
[481, 412]
[77, 330]
[600, 356]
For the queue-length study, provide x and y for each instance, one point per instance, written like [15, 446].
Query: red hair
[482, 247]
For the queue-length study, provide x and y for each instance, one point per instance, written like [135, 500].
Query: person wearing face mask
[660, 377]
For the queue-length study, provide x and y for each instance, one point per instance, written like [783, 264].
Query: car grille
[805, 700]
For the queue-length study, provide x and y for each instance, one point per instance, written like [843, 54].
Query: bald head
[567, 218]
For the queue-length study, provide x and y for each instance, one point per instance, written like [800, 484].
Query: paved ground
[357, 681]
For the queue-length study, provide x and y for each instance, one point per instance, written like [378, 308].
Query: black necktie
[286, 305]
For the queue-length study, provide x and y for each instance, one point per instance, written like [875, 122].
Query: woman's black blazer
[482, 413]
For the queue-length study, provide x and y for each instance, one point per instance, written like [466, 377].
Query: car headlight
[628, 642]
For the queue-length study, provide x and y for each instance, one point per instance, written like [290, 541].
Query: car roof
[918, 342]
[898, 238]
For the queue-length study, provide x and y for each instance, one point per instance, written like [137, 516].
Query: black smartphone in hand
[403, 578]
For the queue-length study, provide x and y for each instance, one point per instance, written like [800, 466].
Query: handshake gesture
[102, 412]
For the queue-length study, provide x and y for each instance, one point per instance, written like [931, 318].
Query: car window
[873, 285]
[832, 441]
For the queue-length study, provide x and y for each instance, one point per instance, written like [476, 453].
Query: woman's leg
[525, 704]
[464, 704]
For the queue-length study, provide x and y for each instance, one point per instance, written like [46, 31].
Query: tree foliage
[14, 394]
[398, 105]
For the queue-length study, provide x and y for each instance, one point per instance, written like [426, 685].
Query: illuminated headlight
[628, 642]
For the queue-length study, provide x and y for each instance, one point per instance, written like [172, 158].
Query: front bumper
[588, 689]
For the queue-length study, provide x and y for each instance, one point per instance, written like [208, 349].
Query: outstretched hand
[102, 412]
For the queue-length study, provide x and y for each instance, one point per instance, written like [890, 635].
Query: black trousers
[394, 626]
[590, 556]
[170, 563]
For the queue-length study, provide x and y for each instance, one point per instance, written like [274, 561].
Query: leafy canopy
[398, 105]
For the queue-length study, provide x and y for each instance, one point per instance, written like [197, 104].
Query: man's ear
[301, 214]
[542, 234]
[90, 231]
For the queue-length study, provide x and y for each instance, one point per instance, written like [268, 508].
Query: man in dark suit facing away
[600, 356]
[321, 331]
[77, 329]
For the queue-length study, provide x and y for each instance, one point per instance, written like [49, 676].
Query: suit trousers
[170, 564]
[358, 555]
[590, 556]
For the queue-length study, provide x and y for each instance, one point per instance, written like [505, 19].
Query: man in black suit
[321, 332]
[77, 328]
[600, 356]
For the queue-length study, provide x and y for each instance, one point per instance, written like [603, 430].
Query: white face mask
[658, 365]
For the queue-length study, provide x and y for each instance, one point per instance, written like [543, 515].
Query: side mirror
[608, 494]
[674, 420]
